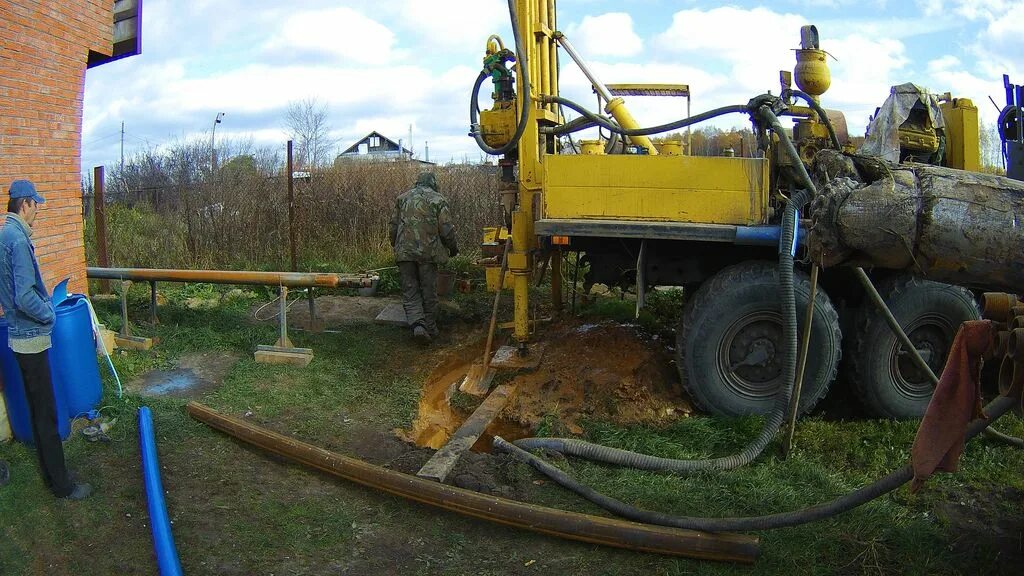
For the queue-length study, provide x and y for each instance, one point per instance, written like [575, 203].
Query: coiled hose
[844, 503]
[524, 113]
[774, 420]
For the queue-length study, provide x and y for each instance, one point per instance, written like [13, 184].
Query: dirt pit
[604, 371]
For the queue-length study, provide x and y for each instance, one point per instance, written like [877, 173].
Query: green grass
[239, 511]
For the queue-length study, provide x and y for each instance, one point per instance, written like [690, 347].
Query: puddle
[193, 375]
[436, 420]
[165, 383]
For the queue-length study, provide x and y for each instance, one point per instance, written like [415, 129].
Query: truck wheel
[729, 343]
[884, 376]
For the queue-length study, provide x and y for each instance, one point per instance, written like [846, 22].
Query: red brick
[43, 50]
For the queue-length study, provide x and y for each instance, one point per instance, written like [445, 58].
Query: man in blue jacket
[30, 316]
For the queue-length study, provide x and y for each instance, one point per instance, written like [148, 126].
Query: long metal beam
[289, 279]
[570, 525]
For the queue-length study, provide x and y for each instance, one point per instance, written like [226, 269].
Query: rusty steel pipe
[997, 306]
[569, 525]
[289, 279]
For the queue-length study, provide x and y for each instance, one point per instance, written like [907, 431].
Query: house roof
[353, 149]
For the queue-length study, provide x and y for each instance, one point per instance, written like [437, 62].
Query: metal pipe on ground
[289, 279]
[569, 525]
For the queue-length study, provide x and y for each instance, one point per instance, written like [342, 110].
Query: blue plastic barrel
[14, 395]
[74, 356]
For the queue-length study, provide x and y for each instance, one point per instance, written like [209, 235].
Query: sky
[396, 65]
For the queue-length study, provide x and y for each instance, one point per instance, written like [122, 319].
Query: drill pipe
[569, 525]
[937, 223]
[289, 279]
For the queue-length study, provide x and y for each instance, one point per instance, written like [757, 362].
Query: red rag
[956, 401]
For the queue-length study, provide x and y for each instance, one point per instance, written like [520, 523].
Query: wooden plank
[133, 342]
[442, 462]
[294, 358]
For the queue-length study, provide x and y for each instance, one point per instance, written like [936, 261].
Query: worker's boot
[420, 334]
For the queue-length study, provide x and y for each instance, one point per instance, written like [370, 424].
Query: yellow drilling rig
[645, 215]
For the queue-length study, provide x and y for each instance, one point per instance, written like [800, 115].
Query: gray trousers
[419, 293]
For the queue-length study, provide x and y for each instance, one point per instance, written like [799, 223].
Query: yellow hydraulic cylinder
[621, 114]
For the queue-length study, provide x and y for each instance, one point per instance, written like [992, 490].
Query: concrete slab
[393, 315]
[507, 357]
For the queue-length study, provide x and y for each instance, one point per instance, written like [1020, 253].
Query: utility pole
[291, 211]
[411, 153]
[213, 149]
[426, 147]
[122, 148]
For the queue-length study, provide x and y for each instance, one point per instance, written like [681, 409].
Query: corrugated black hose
[880, 487]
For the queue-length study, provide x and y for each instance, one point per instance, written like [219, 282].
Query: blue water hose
[163, 540]
[102, 346]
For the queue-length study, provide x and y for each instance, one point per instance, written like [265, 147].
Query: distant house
[376, 146]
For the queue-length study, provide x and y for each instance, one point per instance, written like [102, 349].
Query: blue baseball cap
[25, 189]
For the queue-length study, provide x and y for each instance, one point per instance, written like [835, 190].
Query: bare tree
[307, 124]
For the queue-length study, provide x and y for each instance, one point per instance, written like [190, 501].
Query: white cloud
[608, 34]
[458, 25]
[757, 46]
[341, 32]
[385, 65]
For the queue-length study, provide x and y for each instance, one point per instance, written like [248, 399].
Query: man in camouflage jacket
[423, 236]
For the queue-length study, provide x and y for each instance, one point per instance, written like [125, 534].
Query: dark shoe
[80, 492]
[421, 335]
[434, 332]
[5, 473]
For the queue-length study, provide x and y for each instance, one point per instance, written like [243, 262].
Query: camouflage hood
[429, 180]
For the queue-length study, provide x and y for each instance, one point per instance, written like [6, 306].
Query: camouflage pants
[419, 293]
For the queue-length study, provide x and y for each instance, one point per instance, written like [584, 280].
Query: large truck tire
[729, 342]
[884, 376]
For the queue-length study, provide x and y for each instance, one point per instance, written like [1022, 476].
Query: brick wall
[44, 46]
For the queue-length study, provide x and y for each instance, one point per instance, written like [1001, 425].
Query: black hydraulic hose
[813, 104]
[524, 113]
[604, 123]
[768, 116]
[774, 420]
[880, 487]
[1011, 440]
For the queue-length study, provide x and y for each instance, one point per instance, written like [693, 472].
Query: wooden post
[100, 217]
[291, 209]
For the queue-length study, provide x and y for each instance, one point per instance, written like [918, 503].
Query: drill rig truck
[649, 215]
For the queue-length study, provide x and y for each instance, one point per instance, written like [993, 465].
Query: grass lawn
[236, 510]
